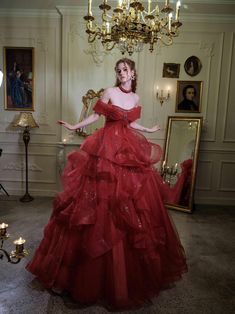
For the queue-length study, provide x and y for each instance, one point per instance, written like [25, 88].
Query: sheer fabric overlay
[109, 238]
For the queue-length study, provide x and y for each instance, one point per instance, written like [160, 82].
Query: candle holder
[160, 96]
[15, 256]
[168, 173]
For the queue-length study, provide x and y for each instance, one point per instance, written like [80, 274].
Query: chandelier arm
[10, 258]
[106, 45]
[133, 26]
[92, 39]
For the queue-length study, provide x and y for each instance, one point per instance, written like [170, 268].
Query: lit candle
[169, 21]
[168, 91]
[176, 165]
[157, 10]
[89, 7]
[108, 27]
[166, 2]
[3, 229]
[19, 243]
[149, 6]
[177, 10]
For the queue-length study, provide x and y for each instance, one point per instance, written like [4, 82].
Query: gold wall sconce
[163, 95]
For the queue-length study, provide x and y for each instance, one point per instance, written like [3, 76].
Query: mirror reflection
[180, 160]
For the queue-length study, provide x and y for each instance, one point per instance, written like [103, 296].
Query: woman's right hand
[66, 125]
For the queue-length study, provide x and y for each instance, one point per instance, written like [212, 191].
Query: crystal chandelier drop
[131, 25]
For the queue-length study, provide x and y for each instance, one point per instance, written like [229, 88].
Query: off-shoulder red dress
[109, 238]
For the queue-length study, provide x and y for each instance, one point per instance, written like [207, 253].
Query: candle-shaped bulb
[108, 27]
[119, 3]
[166, 2]
[157, 10]
[19, 243]
[169, 21]
[177, 10]
[89, 7]
[149, 6]
[3, 229]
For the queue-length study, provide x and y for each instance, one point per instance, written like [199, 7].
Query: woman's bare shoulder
[137, 100]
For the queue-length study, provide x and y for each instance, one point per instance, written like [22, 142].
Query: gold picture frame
[19, 78]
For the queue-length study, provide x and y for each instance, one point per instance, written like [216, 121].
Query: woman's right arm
[89, 120]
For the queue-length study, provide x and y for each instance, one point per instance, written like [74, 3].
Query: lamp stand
[26, 138]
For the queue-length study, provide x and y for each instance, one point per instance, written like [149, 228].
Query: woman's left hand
[154, 129]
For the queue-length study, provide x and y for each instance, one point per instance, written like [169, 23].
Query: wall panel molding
[229, 73]
[220, 176]
[209, 166]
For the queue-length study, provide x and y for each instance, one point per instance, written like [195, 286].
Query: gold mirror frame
[177, 167]
[89, 101]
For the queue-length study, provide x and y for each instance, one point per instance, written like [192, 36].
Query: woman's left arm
[141, 128]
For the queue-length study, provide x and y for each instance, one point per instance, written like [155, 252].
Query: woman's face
[190, 93]
[124, 72]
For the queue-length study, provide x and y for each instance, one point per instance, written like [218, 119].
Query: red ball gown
[109, 238]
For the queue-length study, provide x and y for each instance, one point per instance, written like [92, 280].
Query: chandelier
[131, 25]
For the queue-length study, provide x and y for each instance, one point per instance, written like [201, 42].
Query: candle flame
[3, 226]
[19, 241]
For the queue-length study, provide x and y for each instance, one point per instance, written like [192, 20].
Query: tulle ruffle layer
[109, 238]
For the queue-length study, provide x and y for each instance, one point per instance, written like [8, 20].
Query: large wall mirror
[180, 161]
[89, 101]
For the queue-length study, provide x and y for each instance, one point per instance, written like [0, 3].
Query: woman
[188, 104]
[109, 238]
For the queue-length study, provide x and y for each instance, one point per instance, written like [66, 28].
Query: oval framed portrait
[192, 66]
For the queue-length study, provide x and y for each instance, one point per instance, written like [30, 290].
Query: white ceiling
[188, 6]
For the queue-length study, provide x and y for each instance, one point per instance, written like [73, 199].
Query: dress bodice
[115, 113]
[117, 141]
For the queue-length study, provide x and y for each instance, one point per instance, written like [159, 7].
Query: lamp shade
[25, 119]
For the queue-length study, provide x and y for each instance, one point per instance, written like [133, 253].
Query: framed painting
[19, 78]
[192, 66]
[171, 70]
[188, 96]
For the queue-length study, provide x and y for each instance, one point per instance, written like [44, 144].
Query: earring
[133, 77]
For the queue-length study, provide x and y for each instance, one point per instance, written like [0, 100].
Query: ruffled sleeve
[100, 107]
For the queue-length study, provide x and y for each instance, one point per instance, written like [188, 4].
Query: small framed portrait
[19, 78]
[188, 96]
[171, 70]
[192, 66]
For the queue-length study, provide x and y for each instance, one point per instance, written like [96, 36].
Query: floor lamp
[26, 120]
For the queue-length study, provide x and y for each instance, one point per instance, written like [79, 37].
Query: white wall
[42, 33]
[60, 86]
